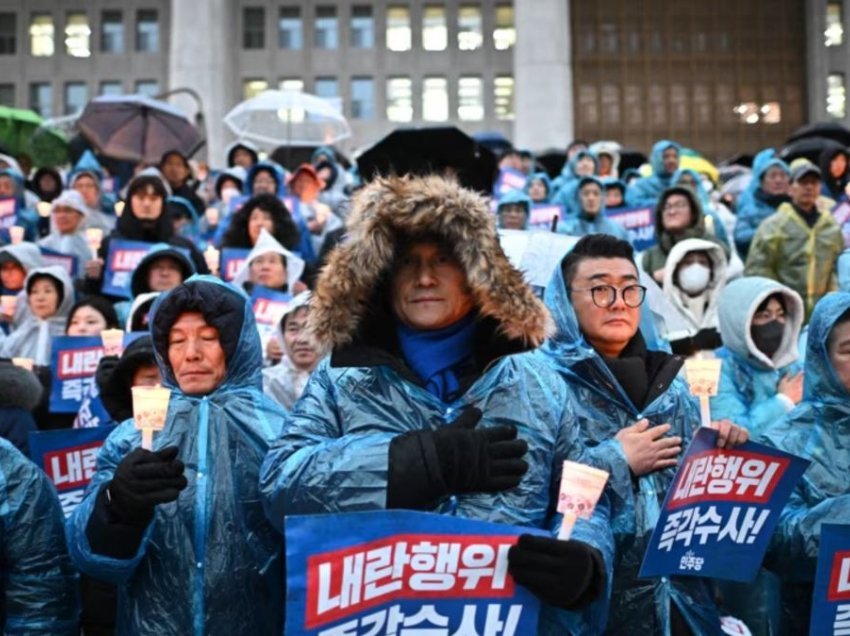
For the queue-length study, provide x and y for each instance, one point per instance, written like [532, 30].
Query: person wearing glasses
[635, 414]
[678, 216]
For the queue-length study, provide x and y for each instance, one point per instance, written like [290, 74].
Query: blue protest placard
[831, 598]
[74, 362]
[269, 306]
[639, 223]
[385, 572]
[541, 215]
[721, 509]
[123, 258]
[8, 213]
[508, 180]
[68, 262]
[231, 260]
[69, 457]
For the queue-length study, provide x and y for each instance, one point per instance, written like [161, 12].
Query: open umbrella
[810, 148]
[287, 118]
[692, 160]
[827, 130]
[552, 161]
[493, 141]
[137, 128]
[438, 150]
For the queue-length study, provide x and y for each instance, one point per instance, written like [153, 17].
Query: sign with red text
[232, 259]
[721, 509]
[397, 572]
[831, 599]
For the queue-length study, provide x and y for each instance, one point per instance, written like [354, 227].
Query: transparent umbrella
[287, 118]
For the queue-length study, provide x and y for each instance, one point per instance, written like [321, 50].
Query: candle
[113, 342]
[16, 233]
[150, 407]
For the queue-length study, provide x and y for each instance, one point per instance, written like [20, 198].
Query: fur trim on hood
[394, 206]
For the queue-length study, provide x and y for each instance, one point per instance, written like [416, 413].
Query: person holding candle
[635, 413]
[87, 179]
[431, 398]
[181, 529]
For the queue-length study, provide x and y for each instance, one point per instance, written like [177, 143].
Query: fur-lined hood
[394, 206]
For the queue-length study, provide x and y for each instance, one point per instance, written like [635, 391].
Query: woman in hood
[835, 168]
[583, 164]
[16, 261]
[818, 429]
[175, 167]
[694, 278]
[243, 154]
[589, 217]
[678, 216]
[87, 179]
[12, 186]
[271, 265]
[538, 187]
[761, 377]
[46, 183]
[67, 219]
[768, 189]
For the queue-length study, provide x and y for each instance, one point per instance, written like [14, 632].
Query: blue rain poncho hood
[39, 583]
[139, 280]
[514, 197]
[209, 563]
[645, 191]
[87, 164]
[568, 172]
[580, 224]
[176, 206]
[272, 169]
[656, 157]
[542, 177]
[602, 408]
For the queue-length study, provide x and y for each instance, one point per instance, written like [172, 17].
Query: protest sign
[541, 215]
[269, 306]
[639, 223]
[831, 599]
[508, 180]
[74, 362]
[721, 509]
[841, 213]
[69, 459]
[123, 258]
[68, 262]
[230, 260]
[8, 213]
[396, 570]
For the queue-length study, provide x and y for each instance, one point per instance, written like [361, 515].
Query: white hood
[267, 244]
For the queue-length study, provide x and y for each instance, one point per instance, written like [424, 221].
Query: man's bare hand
[647, 449]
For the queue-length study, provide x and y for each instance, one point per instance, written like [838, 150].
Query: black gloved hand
[565, 574]
[479, 460]
[142, 480]
[104, 371]
[427, 466]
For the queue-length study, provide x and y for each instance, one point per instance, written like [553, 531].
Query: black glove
[142, 480]
[565, 574]
[426, 466]
[104, 371]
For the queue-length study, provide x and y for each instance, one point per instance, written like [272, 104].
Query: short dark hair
[845, 317]
[777, 297]
[595, 246]
[285, 230]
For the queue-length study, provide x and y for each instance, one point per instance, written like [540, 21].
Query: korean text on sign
[831, 598]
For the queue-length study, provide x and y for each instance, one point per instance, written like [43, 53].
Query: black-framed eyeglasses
[606, 295]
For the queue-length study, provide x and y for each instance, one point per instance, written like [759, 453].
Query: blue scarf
[434, 355]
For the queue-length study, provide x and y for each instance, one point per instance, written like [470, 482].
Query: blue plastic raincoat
[602, 408]
[645, 191]
[581, 224]
[755, 205]
[748, 378]
[38, 587]
[547, 182]
[514, 197]
[819, 430]
[565, 184]
[209, 563]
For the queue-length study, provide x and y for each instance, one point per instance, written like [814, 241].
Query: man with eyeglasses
[634, 412]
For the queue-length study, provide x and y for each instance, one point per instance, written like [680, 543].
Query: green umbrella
[48, 148]
[22, 132]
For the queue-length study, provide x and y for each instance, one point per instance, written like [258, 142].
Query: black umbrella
[630, 158]
[827, 130]
[291, 157]
[431, 150]
[552, 161]
[494, 141]
[810, 148]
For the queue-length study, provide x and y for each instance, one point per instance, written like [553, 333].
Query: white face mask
[694, 278]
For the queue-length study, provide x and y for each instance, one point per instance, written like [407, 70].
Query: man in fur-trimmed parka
[431, 399]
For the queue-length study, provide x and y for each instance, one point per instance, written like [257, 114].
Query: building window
[470, 99]
[435, 35]
[111, 32]
[399, 99]
[111, 88]
[289, 29]
[292, 84]
[326, 33]
[7, 95]
[147, 31]
[503, 96]
[834, 32]
[253, 87]
[504, 33]
[76, 96]
[836, 95]
[41, 36]
[8, 33]
[362, 98]
[435, 99]
[610, 97]
[150, 88]
[78, 35]
[470, 31]
[327, 87]
[398, 29]
[41, 99]
[253, 28]
[362, 27]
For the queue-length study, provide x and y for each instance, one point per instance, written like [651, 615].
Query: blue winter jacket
[819, 430]
[209, 563]
[38, 587]
[748, 378]
[601, 406]
[645, 191]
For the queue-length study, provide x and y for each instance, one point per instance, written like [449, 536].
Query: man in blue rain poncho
[181, 530]
[635, 413]
[665, 162]
[430, 399]
[38, 586]
[589, 208]
[819, 430]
